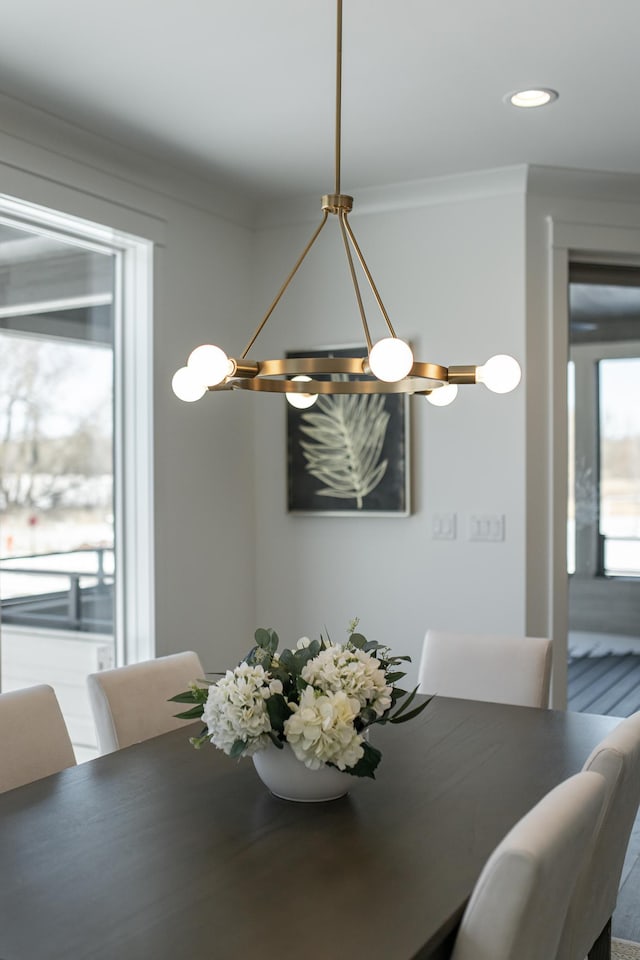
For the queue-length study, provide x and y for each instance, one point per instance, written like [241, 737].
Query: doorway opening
[603, 535]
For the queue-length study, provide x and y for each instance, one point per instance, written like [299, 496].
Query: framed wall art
[348, 455]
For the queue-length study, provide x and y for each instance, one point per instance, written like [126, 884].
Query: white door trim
[597, 244]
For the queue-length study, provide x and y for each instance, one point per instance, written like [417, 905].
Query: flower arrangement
[320, 698]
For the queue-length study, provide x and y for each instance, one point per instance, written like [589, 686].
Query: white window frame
[134, 615]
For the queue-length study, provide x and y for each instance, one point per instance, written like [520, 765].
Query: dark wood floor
[611, 685]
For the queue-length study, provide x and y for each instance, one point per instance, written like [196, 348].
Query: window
[75, 422]
[619, 486]
[603, 536]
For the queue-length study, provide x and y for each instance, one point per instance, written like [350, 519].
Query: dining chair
[34, 740]
[587, 931]
[130, 704]
[514, 670]
[518, 906]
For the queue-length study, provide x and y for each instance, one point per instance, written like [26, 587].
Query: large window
[619, 487]
[603, 537]
[75, 456]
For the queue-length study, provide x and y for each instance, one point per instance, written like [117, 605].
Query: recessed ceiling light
[532, 98]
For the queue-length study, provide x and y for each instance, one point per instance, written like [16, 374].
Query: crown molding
[592, 185]
[45, 145]
[404, 196]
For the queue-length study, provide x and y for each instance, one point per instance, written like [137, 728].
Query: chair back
[519, 904]
[34, 740]
[617, 759]
[130, 704]
[513, 670]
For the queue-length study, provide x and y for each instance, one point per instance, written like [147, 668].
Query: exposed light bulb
[186, 385]
[390, 359]
[443, 396]
[500, 374]
[301, 400]
[209, 364]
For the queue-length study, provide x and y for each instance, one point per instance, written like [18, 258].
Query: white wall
[449, 262]
[204, 559]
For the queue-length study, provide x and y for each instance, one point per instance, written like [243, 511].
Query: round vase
[288, 778]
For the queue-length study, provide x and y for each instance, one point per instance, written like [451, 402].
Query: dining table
[164, 852]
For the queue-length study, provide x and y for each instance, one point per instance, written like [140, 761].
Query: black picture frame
[314, 462]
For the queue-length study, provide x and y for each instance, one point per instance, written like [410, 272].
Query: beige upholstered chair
[588, 926]
[34, 741]
[129, 703]
[519, 904]
[477, 667]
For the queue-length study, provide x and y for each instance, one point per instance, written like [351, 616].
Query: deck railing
[84, 604]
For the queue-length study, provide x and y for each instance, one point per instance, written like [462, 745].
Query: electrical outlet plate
[443, 526]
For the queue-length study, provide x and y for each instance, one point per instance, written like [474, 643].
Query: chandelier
[389, 365]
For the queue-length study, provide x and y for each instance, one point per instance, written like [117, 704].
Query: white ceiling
[243, 90]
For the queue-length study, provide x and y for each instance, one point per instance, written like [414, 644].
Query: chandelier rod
[338, 94]
[326, 211]
[344, 227]
[367, 273]
[284, 286]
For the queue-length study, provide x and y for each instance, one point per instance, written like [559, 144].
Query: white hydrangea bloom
[355, 672]
[236, 709]
[321, 730]
[303, 643]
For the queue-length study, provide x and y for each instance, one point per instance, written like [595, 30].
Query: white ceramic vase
[288, 778]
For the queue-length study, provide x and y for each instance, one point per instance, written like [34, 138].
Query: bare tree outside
[55, 444]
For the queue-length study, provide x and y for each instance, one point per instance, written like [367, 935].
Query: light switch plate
[488, 527]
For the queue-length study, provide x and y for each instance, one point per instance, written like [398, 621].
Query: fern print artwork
[344, 450]
[347, 455]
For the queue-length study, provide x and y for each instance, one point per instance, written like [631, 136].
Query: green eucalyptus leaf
[392, 677]
[302, 657]
[412, 713]
[194, 714]
[278, 711]
[267, 640]
[279, 673]
[367, 763]
[288, 661]
[238, 748]
[407, 702]
[400, 716]
[357, 640]
[187, 697]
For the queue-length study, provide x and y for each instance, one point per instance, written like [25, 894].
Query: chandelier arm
[365, 326]
[367, 274]
[338, 92]
[284, 286]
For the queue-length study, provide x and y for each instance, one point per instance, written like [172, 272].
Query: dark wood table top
[163, 852]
